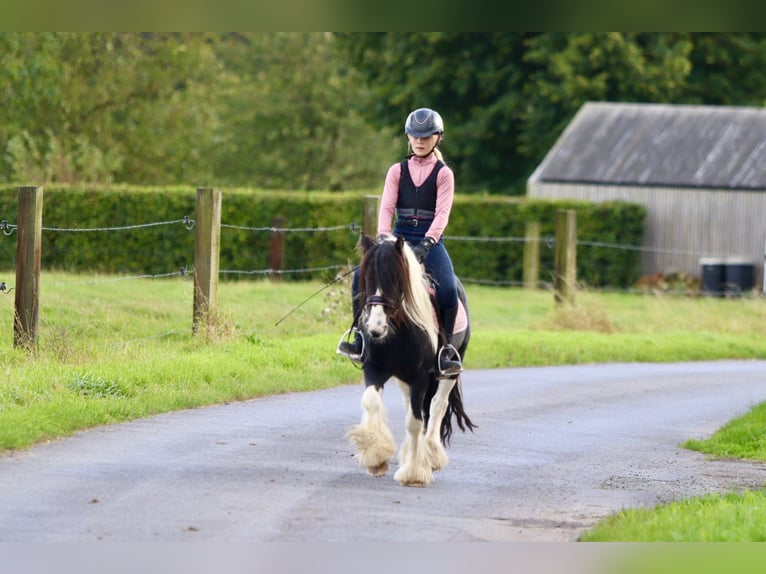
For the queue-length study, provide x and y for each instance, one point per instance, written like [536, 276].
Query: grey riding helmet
[424, 122]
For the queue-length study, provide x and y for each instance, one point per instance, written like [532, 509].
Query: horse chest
[403, 357]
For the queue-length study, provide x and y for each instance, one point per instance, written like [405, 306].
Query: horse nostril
[377, 330]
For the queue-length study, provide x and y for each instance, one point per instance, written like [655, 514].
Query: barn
[699, 170]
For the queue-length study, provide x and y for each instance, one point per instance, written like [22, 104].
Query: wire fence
[188, 223]
[186, 273]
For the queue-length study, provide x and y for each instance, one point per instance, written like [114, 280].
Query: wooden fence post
[565, 256]
[207, 242]
[277, 248]
[370, 215]
[28, 255]
[532, 255]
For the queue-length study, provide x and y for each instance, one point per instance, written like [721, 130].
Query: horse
[401, 340]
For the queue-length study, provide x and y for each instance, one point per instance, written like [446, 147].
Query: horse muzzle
[377, 322]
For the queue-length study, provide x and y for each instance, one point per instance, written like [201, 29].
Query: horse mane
[391, 265]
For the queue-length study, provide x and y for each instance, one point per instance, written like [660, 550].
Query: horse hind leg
[437, 454]
[372, 437]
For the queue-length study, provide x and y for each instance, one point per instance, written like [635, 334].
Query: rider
[419, 193]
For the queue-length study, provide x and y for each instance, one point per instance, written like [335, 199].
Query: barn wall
[684, 225]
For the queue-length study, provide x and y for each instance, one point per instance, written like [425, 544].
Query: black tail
[455, 408]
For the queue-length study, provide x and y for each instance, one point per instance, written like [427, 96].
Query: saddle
[461, 320]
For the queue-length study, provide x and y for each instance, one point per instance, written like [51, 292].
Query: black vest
[416, 201]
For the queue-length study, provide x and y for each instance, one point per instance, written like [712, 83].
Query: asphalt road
[556, 449]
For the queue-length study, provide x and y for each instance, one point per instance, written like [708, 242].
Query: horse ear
[399, 244]
[366, 242]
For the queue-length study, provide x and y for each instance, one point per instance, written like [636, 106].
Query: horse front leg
[414, 465]
[439, 403]
[372, 437]
[404, 450]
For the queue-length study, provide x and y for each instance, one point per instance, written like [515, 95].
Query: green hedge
[166, 248]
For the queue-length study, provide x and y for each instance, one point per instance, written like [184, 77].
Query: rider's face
[421, 147]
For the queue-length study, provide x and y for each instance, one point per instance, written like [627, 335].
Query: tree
[571, 69]
[290, 116]
[103, 106]
[321, 110]
[474, 80]
[275, 110]
[506, 97]
[727, 69]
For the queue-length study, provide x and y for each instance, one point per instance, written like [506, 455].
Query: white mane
[421, 311]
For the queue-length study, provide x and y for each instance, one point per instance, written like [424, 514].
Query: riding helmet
[424, 122]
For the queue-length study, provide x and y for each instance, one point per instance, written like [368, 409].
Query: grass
[743, 437]
[730, 517]
[111, 350]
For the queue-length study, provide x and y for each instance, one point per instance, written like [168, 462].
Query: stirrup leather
[453, 354]
[349, 335]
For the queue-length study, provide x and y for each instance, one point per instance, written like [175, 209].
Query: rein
[340, 277]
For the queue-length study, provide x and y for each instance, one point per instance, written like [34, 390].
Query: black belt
[412, 221]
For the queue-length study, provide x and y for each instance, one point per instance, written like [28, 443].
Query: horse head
[393, 287]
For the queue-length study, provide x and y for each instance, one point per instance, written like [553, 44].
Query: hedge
[166, 248]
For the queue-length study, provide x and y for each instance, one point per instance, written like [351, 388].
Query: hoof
[406, 477]
[379, 470]
[414, 484]
[438, 456]
[374, 450]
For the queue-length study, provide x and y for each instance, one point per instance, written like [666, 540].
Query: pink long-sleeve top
[420, 169]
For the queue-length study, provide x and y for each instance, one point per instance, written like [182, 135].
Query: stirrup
[452, 351]
[345, 339]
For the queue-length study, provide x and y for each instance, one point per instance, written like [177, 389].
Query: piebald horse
[401, 339]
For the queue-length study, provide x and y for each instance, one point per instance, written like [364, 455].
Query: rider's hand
[421, 249]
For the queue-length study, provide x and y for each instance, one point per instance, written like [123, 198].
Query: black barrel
[713, 270]
[740, 276]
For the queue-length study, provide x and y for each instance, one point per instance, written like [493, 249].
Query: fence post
[565, 256]
[277, 248]
[370, 215]
[532, 254]
[28, 255]
[207, 241]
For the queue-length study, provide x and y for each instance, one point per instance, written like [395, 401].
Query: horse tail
[455, 408]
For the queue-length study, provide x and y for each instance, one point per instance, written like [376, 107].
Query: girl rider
[417, 196]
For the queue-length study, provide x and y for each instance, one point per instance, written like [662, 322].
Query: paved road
[556, 449]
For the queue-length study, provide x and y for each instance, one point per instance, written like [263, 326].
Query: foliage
[164, 249]
[103, 106]
[290, 117]
[475, 80]
[506, 97]
[325, 111]
[273, 109]
[571, 69]
[615, 223]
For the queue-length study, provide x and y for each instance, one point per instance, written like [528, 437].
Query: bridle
[394, 308]
[379, 300]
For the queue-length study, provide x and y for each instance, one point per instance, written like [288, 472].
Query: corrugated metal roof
[661, 145]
